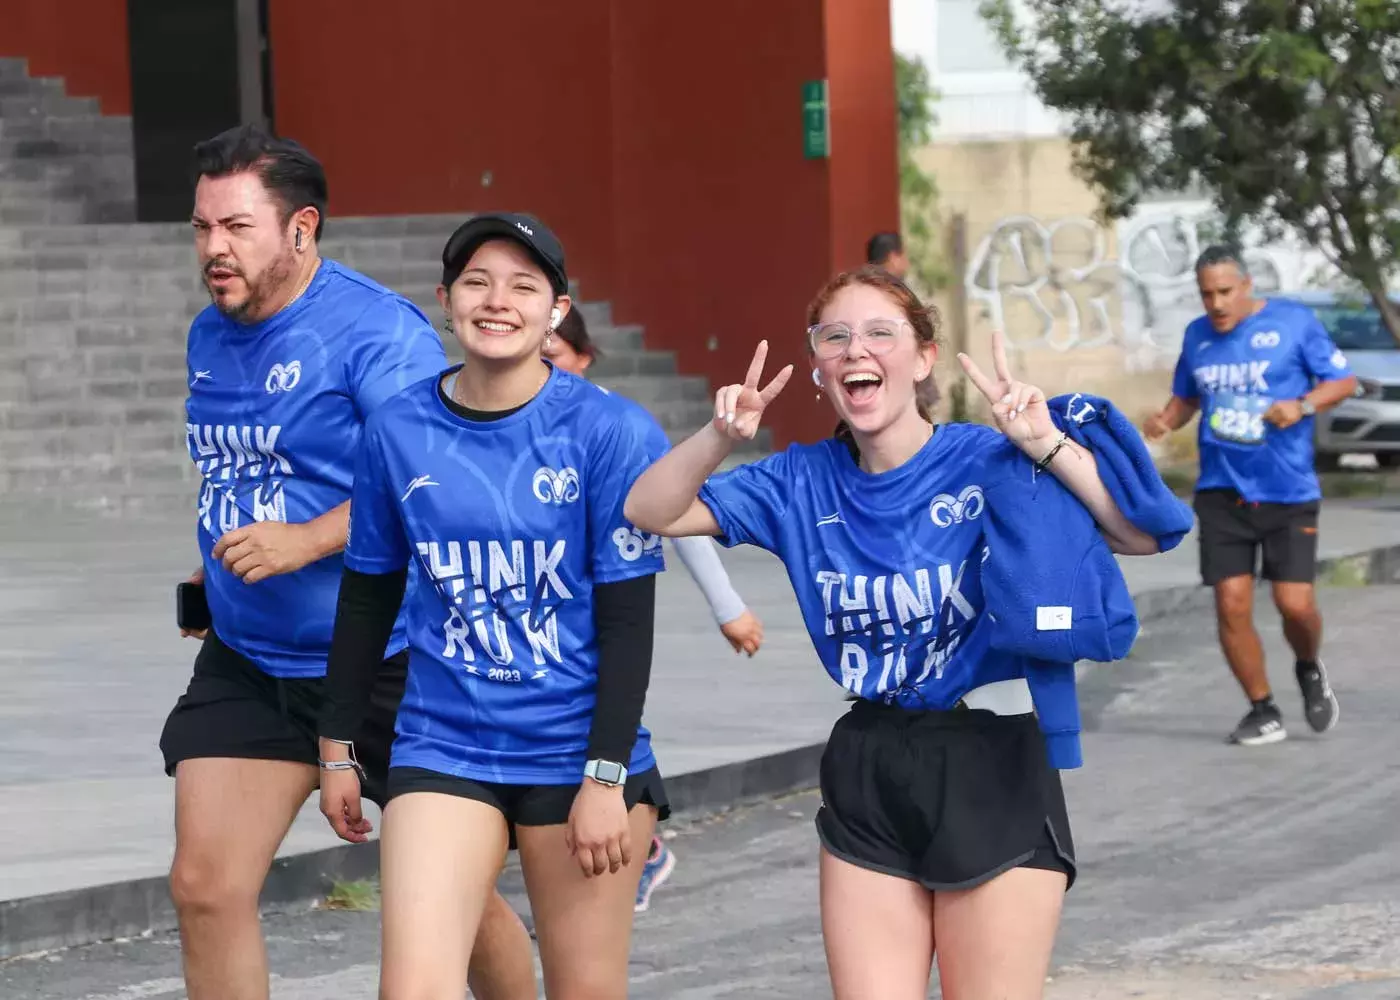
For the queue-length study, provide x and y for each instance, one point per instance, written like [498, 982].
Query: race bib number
[1238, 418]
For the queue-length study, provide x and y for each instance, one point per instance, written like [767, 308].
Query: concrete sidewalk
[91, 663]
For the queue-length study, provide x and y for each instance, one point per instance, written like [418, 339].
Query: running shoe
[1260, 725]
[1319, 703]
[659, 865]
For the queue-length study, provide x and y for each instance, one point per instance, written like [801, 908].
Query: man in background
[886, 250]
[1258, 370]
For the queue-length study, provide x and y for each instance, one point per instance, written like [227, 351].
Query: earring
[817, 381]
[548, 340]
[447, 325]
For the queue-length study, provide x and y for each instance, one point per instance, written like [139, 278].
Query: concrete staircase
[61, 159]
[93, 322]
[94, 310]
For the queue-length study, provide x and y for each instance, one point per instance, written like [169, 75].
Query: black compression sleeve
[364, 621]
[624, 616]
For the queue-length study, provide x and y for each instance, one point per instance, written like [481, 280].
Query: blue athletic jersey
[513, 522]
[887, 568]
[1279, 353]
[273, 421]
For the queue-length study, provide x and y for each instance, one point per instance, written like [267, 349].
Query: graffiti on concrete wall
[1056, 285]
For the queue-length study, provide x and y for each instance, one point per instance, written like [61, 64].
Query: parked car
[1369, 422]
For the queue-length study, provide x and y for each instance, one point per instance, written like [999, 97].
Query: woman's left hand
[1019, 409]
[598, 833]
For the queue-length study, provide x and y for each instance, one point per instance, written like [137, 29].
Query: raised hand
[738, 408]
[1019, 409]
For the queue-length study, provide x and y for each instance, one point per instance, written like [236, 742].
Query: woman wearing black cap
[530, 632]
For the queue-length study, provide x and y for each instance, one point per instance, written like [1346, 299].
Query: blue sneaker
[659, 865]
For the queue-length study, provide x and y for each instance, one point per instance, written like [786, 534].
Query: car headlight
[1368, 389]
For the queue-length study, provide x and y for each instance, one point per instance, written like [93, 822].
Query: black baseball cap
[526, 230]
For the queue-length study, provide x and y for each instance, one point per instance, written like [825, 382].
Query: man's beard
[268, 284]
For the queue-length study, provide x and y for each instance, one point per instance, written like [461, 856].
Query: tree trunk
[1390, 312]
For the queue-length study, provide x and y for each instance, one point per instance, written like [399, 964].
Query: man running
[284, 368]
[1260, 369]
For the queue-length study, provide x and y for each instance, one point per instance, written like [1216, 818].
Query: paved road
[1208, 872]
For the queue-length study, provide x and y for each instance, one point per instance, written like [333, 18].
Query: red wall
[83, 41]
[408, 114]
[662, 141]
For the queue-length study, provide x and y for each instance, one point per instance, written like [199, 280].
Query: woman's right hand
[340, 804]
[738, 408]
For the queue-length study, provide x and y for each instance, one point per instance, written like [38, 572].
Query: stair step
[13, 68]
[652, 390]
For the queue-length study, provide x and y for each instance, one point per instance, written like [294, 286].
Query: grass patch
[1349, 571]
[362, 894]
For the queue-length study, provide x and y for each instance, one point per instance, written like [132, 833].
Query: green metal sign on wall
[816, 121]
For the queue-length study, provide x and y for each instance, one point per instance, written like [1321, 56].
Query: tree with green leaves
[918, 195]
[1286, 111]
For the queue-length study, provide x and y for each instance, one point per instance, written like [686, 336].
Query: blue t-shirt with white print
[512, 523]
[1278, 353]
[886, 568]
[273, 421]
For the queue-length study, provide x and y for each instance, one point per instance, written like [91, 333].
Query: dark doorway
[187, 84]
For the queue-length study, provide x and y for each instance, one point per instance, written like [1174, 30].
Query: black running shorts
[233, 709]
[946, 799]
[1234, 532]
[526, 805]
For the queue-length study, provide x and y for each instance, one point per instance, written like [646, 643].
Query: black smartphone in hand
[191, 607]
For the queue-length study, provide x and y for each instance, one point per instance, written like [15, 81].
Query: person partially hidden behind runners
[1258, 370]
[294, 354]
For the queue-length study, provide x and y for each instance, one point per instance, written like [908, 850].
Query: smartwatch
[606, 772]
[1308, 408]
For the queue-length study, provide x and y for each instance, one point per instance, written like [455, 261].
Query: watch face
[608, 772]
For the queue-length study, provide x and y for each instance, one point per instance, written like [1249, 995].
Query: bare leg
[996, 940]
[584, 925]
[1234, 612]
[503, 960]
[439, 858]
[879, 933]
[230, 816]
[1302, 622]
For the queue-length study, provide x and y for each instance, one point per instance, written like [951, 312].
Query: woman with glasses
[917, 553]
[530, 635]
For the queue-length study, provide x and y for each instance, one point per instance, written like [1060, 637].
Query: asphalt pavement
[1208, 872]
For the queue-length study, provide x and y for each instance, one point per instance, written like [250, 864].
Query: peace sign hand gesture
[1020, 410]
[738, 408]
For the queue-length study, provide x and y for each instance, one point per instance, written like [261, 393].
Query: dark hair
[924, 319]
[881, 245]
[573, 331]
[1222, 253]
[291, 175]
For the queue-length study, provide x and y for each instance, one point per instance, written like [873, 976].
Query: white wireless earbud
[816, 378]
[554, 317]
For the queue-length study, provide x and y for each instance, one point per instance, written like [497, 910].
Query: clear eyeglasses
[831, 340]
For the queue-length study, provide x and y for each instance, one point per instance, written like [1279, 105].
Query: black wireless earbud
[298, 239]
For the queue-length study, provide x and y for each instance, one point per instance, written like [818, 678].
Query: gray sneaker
[1319, 703]
[1259, 727]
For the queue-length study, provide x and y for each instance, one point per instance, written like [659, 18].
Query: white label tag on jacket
[1052, 619]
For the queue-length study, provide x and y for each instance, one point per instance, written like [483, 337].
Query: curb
[143, 906]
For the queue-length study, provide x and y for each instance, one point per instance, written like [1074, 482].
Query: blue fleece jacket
[1054, 591]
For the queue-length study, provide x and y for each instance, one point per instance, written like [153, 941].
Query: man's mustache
[222, 265]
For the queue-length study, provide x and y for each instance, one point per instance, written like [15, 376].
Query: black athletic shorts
[526, 805]
[1233, 533]
[946, 799]
[233, 709]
